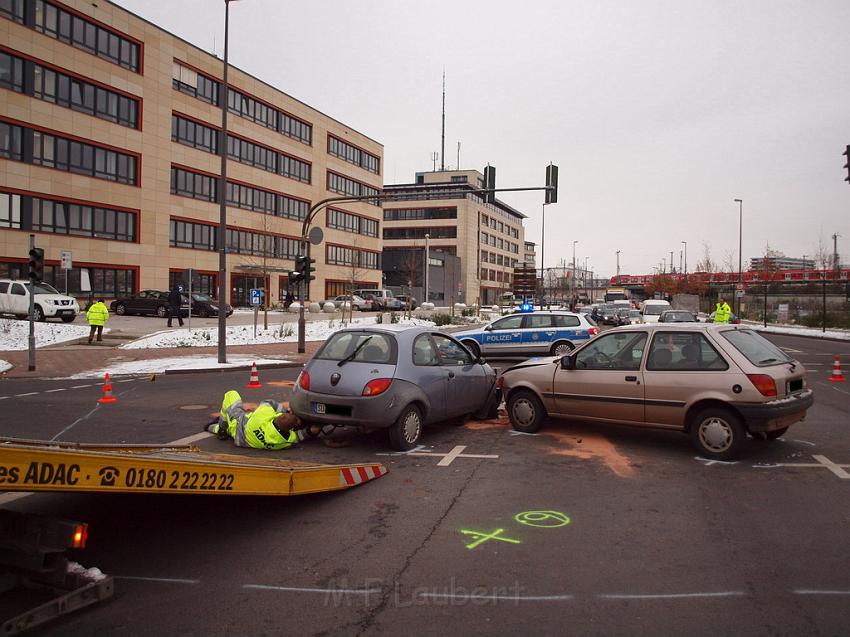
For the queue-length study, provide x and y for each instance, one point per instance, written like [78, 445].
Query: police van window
[18, 289]
[537, 321]
[4, 287]
[562, 320]
[451, 352]
[682, 351]
[618, 351]
[424, 352]
[509, 323]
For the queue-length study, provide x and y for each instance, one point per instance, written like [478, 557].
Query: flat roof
[450, 186]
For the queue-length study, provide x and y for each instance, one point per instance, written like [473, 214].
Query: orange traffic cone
[837, 376]
[107, 392]
[255, 378]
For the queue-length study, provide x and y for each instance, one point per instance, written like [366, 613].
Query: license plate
[318, 408]
[64, 312]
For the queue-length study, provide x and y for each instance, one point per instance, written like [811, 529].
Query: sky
[659, 113]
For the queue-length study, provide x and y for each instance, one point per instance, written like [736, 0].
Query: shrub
[441, 319]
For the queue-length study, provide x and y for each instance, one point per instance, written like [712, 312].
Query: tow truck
[32, 548]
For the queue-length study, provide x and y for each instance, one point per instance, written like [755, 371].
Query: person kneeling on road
[269, 426]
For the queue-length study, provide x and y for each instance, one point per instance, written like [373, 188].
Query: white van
[49, 303]
[652, 309]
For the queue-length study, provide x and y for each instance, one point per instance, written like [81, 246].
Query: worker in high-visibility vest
[97, 315]
[723, 313]
[269, 426]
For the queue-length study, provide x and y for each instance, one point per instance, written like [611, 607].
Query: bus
[616, 294]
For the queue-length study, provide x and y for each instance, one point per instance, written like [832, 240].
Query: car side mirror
[568, 362]
[481, 360]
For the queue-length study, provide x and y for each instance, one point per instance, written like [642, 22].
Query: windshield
[205, 298]
[43, 288]
[654, 310]
[374, 347]
[757, 349]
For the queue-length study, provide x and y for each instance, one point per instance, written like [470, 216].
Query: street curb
[815, 336]
[209, 370]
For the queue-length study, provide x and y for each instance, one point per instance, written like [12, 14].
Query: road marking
[300, 589]
[80, 386]
[507, 598]
[822, 463]
[96, 407]
[189, 439]
[165, 580]
[483, 536]
[451, 456]
[806, 591]
[841, 390]
[836, 469]
[514, 432]
[404, 453]
[50, 391]
[708, 461]
[3, 397]
[673, 595]
[804, 442]
[32, 393]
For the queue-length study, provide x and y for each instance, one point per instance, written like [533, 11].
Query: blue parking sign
[256, 296]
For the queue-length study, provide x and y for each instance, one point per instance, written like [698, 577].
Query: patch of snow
[93, 574]
[793, 330]
[4, 365]
[14, 334]
[161, 365]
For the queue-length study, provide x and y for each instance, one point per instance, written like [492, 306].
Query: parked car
[734, 319]
[357, 302]
[554, 332]
[47, 301]
[717, 383]
[393, 377]
[677, 316]
[203, 305]
[379, 298]
[153, 302]
[407, 301]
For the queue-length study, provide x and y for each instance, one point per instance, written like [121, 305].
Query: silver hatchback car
[715, 382]
[394, 377]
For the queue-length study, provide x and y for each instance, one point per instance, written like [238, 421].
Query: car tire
[717, 433]
[120, 309]
[37, 314]
[69, 319]
[203, 313]
[407, 429]
[562, 348]
[162, 311]
[526, 411]
[473, 348]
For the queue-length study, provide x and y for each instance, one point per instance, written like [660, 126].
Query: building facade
[488, 238]
[530, 253]
[110, 142]
[781, 262]
[404, 273]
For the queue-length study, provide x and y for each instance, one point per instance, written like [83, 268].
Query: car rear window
[755, 348]
[371, 347]
[563, 320]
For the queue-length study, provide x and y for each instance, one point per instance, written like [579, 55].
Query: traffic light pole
[305, 283]
[31, 340]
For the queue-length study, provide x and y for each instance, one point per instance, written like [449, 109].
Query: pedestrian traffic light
[489, 183]
[551, 183]
[295, 277]
[304, 268]
[847, 165]
[36, 265]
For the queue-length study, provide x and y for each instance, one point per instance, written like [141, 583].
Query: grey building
[404, 273]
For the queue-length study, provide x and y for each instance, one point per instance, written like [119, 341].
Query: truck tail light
[764, 383]
[81, 534]
[377, 386]
[304, 380]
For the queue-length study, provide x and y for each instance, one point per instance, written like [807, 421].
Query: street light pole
[740, 203]
[573, 278]
[686, 257]
[543, 250]
[618, 266]
[427, 259]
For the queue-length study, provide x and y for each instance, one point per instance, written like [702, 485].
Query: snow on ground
[14, 334]
[4, 365]
[161, 365]
[244, 334]
[811, 332]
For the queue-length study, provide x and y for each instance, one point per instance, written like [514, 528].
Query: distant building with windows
[530, 253]
[782, 262]
[110, 147]
[489, 239]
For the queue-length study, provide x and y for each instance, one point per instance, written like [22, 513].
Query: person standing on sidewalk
[175, 300]
[97, 315]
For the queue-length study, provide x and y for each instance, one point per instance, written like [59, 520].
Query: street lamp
[427, 259]
[573, 279]
[740, 203]
[543, 250]
[685, 243]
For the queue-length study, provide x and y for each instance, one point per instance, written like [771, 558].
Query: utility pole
[618, 266]
[443, 143]
[835, 264]
[672, 269]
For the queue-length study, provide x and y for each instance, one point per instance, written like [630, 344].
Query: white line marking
[509, 598]
[298, 589]
[32, 393]
[514, 432]
[451, 456]
[80, 386]
[841, 390]
[75, 422]
[3, 397]
[806, 591]
[805, 442]
[708, 462]
[189, 439]
[673, 595]
[404, 453]
[50, 391]
[165, 580]
[835, 468]
[126, 380]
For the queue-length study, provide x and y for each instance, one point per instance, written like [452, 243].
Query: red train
[750, 276]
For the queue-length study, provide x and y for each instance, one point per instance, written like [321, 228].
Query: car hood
[57, 297]
[534, 362]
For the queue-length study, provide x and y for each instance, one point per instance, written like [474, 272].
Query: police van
[527, 332]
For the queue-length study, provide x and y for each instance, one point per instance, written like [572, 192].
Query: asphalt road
[633, 534]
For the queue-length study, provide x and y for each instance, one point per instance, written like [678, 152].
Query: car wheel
[69, 319]
[717, 433]
[767, 436]
[161, 311]
[562, 348]
[37, 313]
[526, 411]
[406, 430]
[203, 312]
[120, 309]
[473, 348]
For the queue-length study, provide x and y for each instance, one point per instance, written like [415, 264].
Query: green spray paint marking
[481, 537]
[542, 519]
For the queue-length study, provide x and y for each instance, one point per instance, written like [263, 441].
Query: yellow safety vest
[97, 314]
[723, 313]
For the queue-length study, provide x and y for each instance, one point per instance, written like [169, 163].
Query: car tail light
[501, 382]
[80, 536]
[304, 380]
[764, 383]
[377, 386]
[593, 331]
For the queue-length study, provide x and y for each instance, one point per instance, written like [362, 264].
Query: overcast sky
[658, 112]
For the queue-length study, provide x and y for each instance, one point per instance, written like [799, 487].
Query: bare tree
[354, 273]
[706, 264]
[823, 255]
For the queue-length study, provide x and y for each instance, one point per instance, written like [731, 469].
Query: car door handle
[631, 379]
[451, 374]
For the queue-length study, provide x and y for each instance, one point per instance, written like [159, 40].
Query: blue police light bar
[526, 307]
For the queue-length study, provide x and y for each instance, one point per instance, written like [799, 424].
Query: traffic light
[489, 183]
[846, 153]
[304, 269]
[36, 265]
[295, 277]
[551, 183]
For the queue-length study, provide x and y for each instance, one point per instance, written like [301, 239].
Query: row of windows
[252, 154]
[25, 212]
[339, 255]
[495, 275]
[201, 236]
[500, 226]
[347, 186]
[354, 155]
[201, 283]
[419, 233]
[259, 200]
[56, 22]
[498, 259]
[207, 89]
[497, 242]
[342, 220]
[334, 289]
[103, 282]
[191, 133]
[194, 185]
[415, 214]
[69, 155]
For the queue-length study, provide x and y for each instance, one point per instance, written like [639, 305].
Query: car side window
[424, 352]
[4, 287]
[509, 323]
[451, 352]
[18, 289]
[538, 321]
[618, 351]
[566, 321]
[676, 351]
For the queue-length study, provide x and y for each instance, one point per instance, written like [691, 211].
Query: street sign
[256, 296]
[65, 260]
[315, 235]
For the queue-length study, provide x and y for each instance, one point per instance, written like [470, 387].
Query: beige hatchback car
[715, 382]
